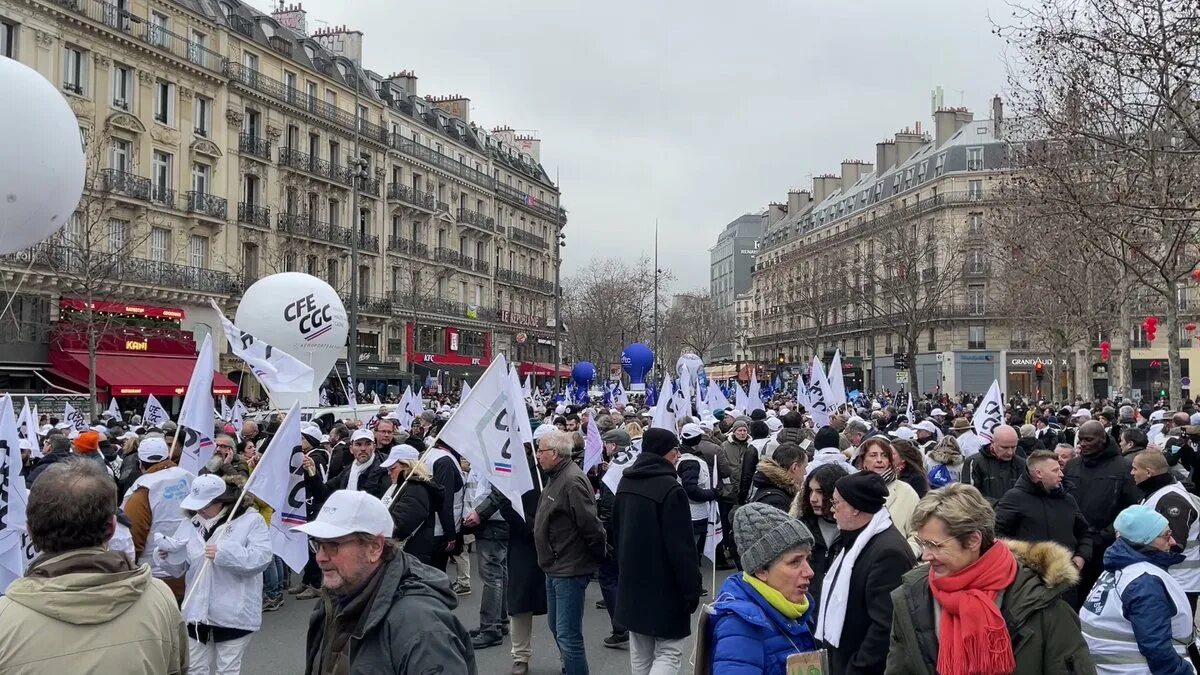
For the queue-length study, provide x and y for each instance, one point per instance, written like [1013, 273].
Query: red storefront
[448, 350]
[142, 351]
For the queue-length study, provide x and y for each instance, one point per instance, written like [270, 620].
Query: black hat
[758, 414]
[657, 441]
[864, 490]
[827, 437]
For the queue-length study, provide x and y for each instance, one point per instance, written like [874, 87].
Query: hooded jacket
[116, 618]
[407, 626]
[943, 465]
[414, 509]
[750, 637]
[1044, 630]
[654, 539]
[773, 485]
[991, 476]
[731, 464]
[1029, 513]
[1147, 605]
[1103, 486]
[784, 435]
[825, 456]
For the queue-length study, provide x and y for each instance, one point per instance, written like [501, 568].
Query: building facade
[731, 261]
[918, 216]
[226, 145]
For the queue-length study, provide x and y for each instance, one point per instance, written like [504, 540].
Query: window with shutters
[160, 244]
[198, 251]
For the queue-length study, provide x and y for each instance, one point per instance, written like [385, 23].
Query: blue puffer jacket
[746, 632]
[1148, 607]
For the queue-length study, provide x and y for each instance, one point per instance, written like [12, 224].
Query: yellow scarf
[791, 610]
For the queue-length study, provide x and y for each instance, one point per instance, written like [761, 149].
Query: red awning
[136, 375]
[542, 369]
[125, 309]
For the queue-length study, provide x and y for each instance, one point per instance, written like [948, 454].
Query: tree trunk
[1174, 376]
[1084, 373]
[1125, 359]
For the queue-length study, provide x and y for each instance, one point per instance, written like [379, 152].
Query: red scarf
[974, 639]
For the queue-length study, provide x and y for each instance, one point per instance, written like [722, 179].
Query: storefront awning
[725, 371]
[136, 375]
[542, 369]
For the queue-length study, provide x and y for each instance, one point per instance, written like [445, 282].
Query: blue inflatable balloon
[636, 360]
[582, 375]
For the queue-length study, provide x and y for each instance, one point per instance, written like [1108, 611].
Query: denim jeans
[493, 570]
[564, 605]
[273, 578]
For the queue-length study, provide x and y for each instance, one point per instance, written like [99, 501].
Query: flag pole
[187, 595]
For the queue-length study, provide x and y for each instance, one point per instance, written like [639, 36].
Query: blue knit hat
[1140, 524]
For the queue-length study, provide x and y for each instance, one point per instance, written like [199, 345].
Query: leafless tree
[692, 324]
[912, 283]
[608, 304]
[1108, 89]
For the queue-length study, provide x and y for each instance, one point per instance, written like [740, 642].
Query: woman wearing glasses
[980, 605]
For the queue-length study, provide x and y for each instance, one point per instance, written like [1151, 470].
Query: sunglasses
[332, 546]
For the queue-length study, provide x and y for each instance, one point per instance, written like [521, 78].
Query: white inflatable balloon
[303, 316]
[41, 158]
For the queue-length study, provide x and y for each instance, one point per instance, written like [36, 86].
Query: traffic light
[901, 361]
[1039, 370]
[781, 358]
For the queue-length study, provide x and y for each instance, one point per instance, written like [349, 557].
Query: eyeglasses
[932, 546]
[330, 545]
[835, 502]
[227, 446]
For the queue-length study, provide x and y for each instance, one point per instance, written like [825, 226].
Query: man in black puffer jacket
[1101, 482]
[995, 470]
[777, 480]
[652, 519]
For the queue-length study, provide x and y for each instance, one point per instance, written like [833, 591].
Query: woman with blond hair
[979, 605]
[413, 499]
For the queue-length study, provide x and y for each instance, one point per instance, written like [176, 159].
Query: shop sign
[137, 345]
[1030, 362]
[531, 320]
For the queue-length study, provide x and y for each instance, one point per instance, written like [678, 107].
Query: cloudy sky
[688, 113]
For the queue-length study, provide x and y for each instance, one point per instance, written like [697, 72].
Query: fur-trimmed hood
[770, 474]
[1050, 561]
[946, 454]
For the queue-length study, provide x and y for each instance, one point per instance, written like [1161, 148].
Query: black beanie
[758, 414]
[759, 429]
[827, 437]
[864, 490]
[657, 441]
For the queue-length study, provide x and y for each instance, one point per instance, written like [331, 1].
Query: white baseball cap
[362, 435]
[927, 426]
[401, 453]
[1082, 413]
[1158, 415]
[691, 430]
[936, 412]
[347, 512]
[903, 432]
[152, 450]
[204, 490]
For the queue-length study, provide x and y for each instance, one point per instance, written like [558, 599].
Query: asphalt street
[278, 648]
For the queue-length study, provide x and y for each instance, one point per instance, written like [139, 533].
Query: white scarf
[355, 470]
[835, 596]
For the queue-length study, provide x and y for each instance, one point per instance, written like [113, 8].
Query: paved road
[279, 646]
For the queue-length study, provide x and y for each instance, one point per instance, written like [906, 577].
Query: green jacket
[1045, 631]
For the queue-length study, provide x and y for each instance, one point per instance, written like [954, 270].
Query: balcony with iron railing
[406, 301]
[303, 225]
[430, 156]
[411, 196]
[210, 206]
[125, 184]
[443, 207]
[302, 161]
[476, 220]
[976, 268]
[368, 242]
[162, 195]
[407, 246]
[253, 214]
[69, 260]
[252, 145]
[370, 304]
[369, 186]
[527, 238]
[450, 256]
[525, 280]
[530, 203]
[123, 21]
[277, 90]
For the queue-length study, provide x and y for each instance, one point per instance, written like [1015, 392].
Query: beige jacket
[90, 611]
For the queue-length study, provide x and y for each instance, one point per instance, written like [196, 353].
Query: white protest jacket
[1187, 573]
[230, 594]
[166, 489]
[1109, 634]
[699, 509]
[431, 457]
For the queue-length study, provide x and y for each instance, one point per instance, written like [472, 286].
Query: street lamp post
[559, 244]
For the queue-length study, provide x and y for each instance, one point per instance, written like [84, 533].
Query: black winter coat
[1103, 487]
[877, 572]
[413, 512]
[654, 544]
[52, 458]
[773, 486]
[526, 588]
[821, 557]
[373, 480]
[1029, 513]
[448, 473]
[991, 476]
[1027, 445]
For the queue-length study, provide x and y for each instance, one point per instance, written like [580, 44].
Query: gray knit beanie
[739, 422]
[763, 533]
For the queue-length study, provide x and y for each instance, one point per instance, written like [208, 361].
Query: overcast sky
[690, 113]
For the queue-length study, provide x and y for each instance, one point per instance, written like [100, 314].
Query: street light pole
[559, 242]
[657, 356]
[358, 171]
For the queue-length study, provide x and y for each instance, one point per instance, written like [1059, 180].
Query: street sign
[1137, 394]
[902, 377]
[1185, 382]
